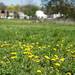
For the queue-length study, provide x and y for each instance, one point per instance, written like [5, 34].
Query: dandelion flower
[62, 59]
[37, 60]
[27, 53]
[36, 57]
[53, 59]
[46, 57]
[57, 64]
[13, 57]
[54, 49]
[56, 56]
[28, 49]
[38, 71]
[13, 53]
[30, 56]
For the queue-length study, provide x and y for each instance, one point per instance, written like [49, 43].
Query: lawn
[36, 48]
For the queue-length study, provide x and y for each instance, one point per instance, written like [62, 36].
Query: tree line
[27, 9]
[66, 7]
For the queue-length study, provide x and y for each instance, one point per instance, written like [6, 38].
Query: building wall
[5, 13]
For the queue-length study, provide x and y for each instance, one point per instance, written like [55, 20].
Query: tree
[55, 5]
[13, 8]
[44, 2]
[29, 9]
[63, 6]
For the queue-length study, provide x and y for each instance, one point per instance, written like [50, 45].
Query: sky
[21, 2]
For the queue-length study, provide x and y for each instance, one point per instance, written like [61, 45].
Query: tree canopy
[29, 9]
[63, 6]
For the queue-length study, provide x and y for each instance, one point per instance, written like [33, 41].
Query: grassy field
[30, 48]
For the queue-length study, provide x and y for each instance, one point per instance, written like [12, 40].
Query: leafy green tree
[29, 9]
[55, 5]
[63, 6]
[13, 8]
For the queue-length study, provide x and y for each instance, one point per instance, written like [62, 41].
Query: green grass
[28, 48]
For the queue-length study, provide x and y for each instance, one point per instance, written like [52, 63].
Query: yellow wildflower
[36, 57]
[13, 57]
[27, 48]
[29, 53]
[62, 59]
[38, 71]
[30, 56]
[54, 49]
[46, 57]
[57, 64]
[37, 60]
[13, 53]
[55, 58]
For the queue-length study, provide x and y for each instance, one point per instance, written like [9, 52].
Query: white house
[40, 14]
[55, 16]
[11, 15]
[22, 15]
[58, 15]
[3, 14]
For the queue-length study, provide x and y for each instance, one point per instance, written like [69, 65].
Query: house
[3, 13]
[7, 14]
[40, 14]
[55, 15]
[11, 15]
[22, 15]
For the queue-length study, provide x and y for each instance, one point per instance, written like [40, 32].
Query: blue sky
[9, 2]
